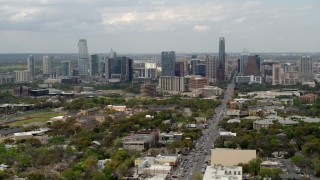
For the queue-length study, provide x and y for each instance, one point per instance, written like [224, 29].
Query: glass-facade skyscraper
[243, 61]
[168, 60]
[221, 59]
[120, 68]
[94, 65]
[31, 66]
[83, 57]
[65, 68]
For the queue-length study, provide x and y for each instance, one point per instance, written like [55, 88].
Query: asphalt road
[195, 161]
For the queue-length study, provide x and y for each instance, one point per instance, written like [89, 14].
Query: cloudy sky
[146, 26]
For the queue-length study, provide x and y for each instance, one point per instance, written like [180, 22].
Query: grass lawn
[31, 117]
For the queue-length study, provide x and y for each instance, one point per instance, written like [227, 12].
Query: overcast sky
[146, 26]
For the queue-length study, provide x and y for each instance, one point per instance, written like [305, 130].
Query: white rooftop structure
[287, 122]
[234, 121]
[223, 173]
[31, 133]
[304, 118]
[158, 177]
[274, 117]
[227, 134]
[252, 117]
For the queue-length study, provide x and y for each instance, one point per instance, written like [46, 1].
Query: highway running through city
[196, 160]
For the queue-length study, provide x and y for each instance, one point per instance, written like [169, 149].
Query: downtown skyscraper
[211, 68]
[65, 68]
[94, 65]
[83, 59]
[31, 66]
[243, 61]
[168, 61]
[48, 65]
[221, 60]
[306, 69]
[118, 69]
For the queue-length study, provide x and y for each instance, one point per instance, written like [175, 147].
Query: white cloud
[240, 20]
[280, 37]
[166, 18]
[201, 28]
[251, 4]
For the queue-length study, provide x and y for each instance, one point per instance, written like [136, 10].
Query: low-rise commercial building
[235, 156]
[223, 173]
[249, 79]
[138, 142]
[227, 135]
[208, 91]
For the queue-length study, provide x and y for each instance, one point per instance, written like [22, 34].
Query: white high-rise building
[306, 69]
[48, 65]
[83, 60]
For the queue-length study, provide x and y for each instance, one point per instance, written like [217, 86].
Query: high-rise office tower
[201, 68]
[168, 60]
[211, 68]
[31, 66]
[83, 57]
[306, 69]
[120, 68]
[65, 68]
[243, 61]
[181, 68]
[252, 67]
[48, 65]
[94, 65]
[193, 64]
[222, 59]
[277, 74]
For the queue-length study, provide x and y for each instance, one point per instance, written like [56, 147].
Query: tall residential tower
[31, 66]
[83, 59]
[48, 65]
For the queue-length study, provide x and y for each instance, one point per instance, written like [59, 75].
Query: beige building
[277, 74]
[235, 156]
[262, 124]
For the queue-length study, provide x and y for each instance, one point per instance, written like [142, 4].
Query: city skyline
[155, 26]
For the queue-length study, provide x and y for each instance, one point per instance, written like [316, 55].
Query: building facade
[83, 58]
[211, 68]
[22, 76]
[168, 60]
[252, 67]
[171, 83]
[277, 74]
[118, 69]
[65, 68]
[222, 60]
[31, 66]
[197, 83]
[48, 68]
[94, 65]
[306, 69]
